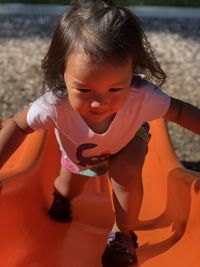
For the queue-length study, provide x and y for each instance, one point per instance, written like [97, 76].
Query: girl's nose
[95, 104]
[98, 102]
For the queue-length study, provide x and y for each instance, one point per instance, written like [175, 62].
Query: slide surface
[168, 228]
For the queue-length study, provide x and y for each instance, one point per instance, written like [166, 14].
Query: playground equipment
[168, 228]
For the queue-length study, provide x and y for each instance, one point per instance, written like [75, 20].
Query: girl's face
[97, 91]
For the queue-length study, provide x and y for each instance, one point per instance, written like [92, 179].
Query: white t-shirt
[86, 150]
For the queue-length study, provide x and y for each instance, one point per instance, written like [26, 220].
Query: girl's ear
[136, 80]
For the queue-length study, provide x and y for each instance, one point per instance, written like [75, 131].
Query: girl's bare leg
[126, 177]
[67, 186]
[70, 184]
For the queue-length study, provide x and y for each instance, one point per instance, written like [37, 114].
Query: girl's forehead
[79, 69]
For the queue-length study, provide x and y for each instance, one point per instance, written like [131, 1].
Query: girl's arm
[184, 114]
[12, 135]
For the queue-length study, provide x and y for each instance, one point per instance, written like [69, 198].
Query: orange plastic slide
[168, 228]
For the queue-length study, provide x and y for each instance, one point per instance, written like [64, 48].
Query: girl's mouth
[98, 112]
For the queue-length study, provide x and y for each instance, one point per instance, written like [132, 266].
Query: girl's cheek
[78, 104]
[120, 99]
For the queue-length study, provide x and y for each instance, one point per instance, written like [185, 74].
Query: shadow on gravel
[186, 28]
[192, 165]
[19, 26]
[22, 26]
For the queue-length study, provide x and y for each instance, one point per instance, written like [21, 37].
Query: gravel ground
[25, 39]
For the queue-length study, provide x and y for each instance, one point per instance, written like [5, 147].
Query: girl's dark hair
[104, 31]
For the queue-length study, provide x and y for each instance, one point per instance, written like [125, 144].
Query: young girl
[98, 103]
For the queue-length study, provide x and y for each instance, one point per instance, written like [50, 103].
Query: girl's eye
[115, 89]
[84, 90]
